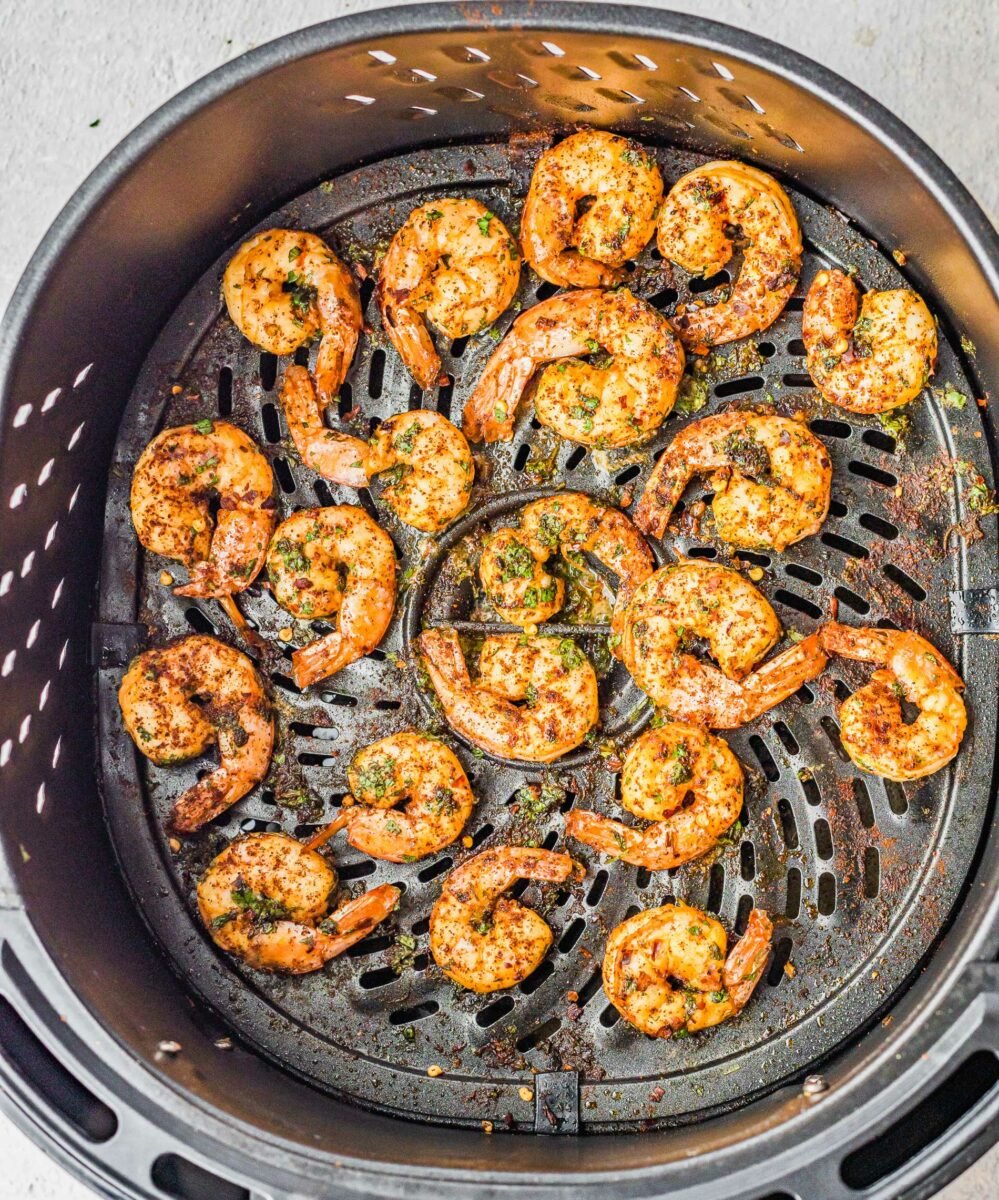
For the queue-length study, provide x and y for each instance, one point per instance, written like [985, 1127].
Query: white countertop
[66, 64]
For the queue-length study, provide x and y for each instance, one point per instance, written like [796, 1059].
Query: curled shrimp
[871, 362]
[410, 768]
[282, 288]
[266, 899]
[771, 478]
[177, 478]
[196, 692]
[335, 561]
[666, 970]
[513, 564]
[591, 206]
[424, 459]
[618, 370]
[454, 263]
[535, 698]
[694, 599]
[708, 212]
[481, 938]
[872, 728]
[682, 778]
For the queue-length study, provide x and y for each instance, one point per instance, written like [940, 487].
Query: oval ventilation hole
[792, 905]
[831, 730]
[418, 1012]
[852, 601]
[271, 423]
[782, 956]
[798, 603]
[444, 394]
[742, 914]
[664, 299]
[643, 877]
[761, 560]
[738, 387]
[628, 474]
[699, 284]
[284, 476]
[789, 827]
[434, 869]
[797, 349]
[575, 458]
[268, 371]
[285, 682]
[880, 441]
[716, 887]
[480, 836]
[545, 291]
[827, 428]
[199, 622]
[315, 760]
[523, 454]
[366, 291]
[186, 1181]
[747, 861]
[597, 888]
[872, 872]
[826, 900]
[896, 798]
[884, 529]
[823, 839]
[369, 946]
[874, 474]
[356, 870]
[787, 738]
[862, 797]
[376, 374]
[382, 977]
[536, 1037]
[905, 582]
[225, 391]
[841, 691]
[837, 508]
[388, 705]
[364, 496]
[702, 552]
[345, 399]
[844, 545]
[494, 1011]
[804, 574]
[323, 493]
[518, 889]
[537, 978]
[256, 825]
[573, 932]
[341, 700]
[609, 1016]
[301, 356]
[766, 349]
[764, 758]
[797, 379]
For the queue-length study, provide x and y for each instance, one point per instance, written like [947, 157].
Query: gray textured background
[65, 66]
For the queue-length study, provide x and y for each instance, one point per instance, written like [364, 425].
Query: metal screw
[814, 1086]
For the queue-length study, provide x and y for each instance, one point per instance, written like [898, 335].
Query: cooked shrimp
[192, 694]
[482, 939]
[334, 561]
[591, 206]
[665, 969]
[621, 394]
[513, 564]
[552, 678]
[710, 211]
[872, 728]
[682, 778]
[770, 476]
[412, 768]
[428, 461]
[454, 263]
[282, 288]
[870, 363]
[266, 899]
[694, 599]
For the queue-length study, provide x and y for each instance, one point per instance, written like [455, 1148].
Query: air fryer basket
[867, 1064]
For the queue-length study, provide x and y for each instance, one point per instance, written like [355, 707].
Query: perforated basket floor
[858, 874]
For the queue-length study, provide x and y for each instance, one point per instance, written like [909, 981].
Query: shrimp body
[872, 728]
[771, 478]
[513, 564]
[706, 213]
[535, 698]
[618, 395]
[591, 206]
[481, 938]
[266, 899]
[666, 970]
[454, 263]
[335, 561]
[686, 781]
[192, 694]
[415, 770]
[703, 600]
[176, 478]
[283, 287]
[874, 361]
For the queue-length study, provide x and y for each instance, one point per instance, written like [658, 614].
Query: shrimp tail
[207, 799]
[411, 338]
[492, 408]
[744, 965]
[355, 919]
[321, 658]
[336, 456]
[782, 676]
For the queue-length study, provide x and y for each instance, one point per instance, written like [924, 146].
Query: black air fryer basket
[151, 1065]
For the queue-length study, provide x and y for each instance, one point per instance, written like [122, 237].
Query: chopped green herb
[572, 656]
[204, 426]
[376, 778]
[483, 224]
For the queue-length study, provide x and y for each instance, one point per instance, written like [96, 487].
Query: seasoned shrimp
[682, 778]
[454, 263]
[710, 211]
[591, 206]
[412, 768]
[694, 599]
[770, 476]
[870, 363]
[266, 899]
[426, 460]
[665, 969]
[282, 288]
[176, 479]
[618, 395]
[334, 561]
[873, 729]
[513, 564]
[192, 694]
[552, 678]
[481, 938]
